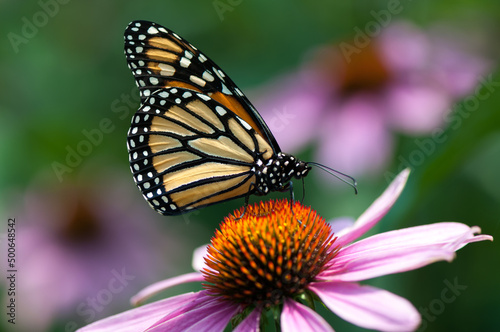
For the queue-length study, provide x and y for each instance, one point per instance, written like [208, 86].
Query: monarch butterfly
[196, 140]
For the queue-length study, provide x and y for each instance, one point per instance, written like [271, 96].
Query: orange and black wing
[187, 151]
[159, 58]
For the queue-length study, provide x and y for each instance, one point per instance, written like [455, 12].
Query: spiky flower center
[270, 252]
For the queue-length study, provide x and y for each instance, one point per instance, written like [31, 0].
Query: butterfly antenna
[339, 175]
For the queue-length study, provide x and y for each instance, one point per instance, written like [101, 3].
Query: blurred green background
[63, 78]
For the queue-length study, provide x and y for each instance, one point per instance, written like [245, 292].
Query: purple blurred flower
[278, 259]
[350, 99]
[82, 250]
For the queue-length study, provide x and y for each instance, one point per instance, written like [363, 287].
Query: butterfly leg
[247, 198]
[292, 197]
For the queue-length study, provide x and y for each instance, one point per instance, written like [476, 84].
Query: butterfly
[196, 140]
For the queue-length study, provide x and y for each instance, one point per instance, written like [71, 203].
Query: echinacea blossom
[281, 258]
[80, 254]
[350, 98]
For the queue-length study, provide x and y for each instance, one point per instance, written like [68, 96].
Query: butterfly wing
[160, 58]
[188, 150]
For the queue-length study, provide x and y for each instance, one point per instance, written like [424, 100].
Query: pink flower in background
[81, 251]
[272, 257]
[350, 99]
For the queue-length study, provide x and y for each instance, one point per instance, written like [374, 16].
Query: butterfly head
[275, 174]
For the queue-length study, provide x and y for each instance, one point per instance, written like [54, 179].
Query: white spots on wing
[225, 90]
[238, 91]
[197, 80]
[139, 49]
[202, 58]
[219, 73]
[154, 80]
[152, 30]
[244, 123]
[163, 94]
[142, 37]
[185, 62]
[220, 110]
[166, 70]
[188, 54]
[146, 108]
[177, 100]
[186, 94]
[162, 29]
[207, 76]
[204, 97]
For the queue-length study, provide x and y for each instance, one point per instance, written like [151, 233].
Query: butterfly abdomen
[276, 173]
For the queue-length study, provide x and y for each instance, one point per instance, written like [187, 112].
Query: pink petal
[417, 108]
[383, 263]
[139, 319]
[160, 286]
[399, 251]
[251, 323]
[206, 313]
[293, 104]
[404, 47]
[198, 261]
[355, 137]
[296, 317]
[367, 306]
[376, 211]
[340, 223]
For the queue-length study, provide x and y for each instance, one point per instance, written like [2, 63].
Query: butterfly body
[196, 140]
